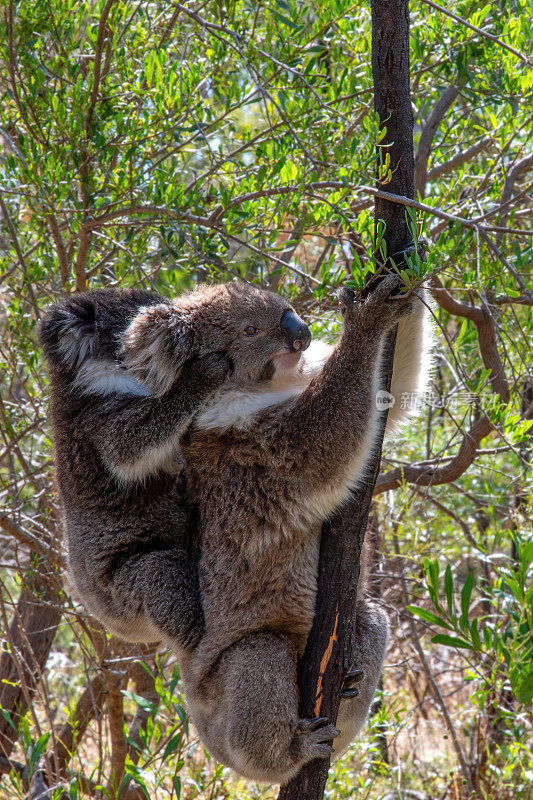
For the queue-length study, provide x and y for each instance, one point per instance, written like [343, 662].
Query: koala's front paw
[346, 297]
[210, 371]
[385, 306]
[156, 344]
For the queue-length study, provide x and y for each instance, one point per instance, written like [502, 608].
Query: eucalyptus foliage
[160, 144]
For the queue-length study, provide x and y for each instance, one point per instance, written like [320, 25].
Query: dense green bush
[161, 144]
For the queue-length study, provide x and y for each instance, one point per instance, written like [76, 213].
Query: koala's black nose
[298, 335]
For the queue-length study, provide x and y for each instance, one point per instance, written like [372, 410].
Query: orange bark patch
[323, 664]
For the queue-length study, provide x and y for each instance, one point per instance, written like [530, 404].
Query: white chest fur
[235, 407]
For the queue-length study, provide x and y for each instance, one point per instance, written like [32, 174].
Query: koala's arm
[327, 436]
[412, 363]
[136, 436]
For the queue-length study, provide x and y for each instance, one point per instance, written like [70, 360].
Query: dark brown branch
[100, 38]
[329, 646]
[90, 702]
[64, 268]
[459, 159]
[81, 258]
[486, 331]
[422, 475]
[30, 635]
[115, 708]
[516, 170]
[42, 547]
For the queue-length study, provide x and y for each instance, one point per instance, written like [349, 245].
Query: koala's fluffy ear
[156, 345]
[68, 332]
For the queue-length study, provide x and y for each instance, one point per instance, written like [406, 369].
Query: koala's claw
[318, 730]
[314, 736]
[353, 692]
[346, 297]
[312, 724]
[383, 291]
[353, 676]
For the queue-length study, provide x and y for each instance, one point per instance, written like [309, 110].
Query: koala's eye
[250, 330]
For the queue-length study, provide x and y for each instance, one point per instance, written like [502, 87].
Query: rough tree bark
[29, 639]
[327, 656]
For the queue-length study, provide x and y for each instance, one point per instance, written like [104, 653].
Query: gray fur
[264, 480]
[116, 445]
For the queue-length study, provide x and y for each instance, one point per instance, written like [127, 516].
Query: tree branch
[516, 170]
[445, 101]
[422, 475]
[486, 331]
[480, 31]
[100, 38]
[329, 649]
[72, 732]
[459, 159]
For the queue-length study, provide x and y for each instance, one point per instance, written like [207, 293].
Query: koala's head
[258, 330]
[90, 326]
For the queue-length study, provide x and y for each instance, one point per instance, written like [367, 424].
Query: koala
[127, 524]
[269, 457]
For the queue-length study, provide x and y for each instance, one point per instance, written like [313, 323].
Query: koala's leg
[372, 630]
[247, 711]
[149, 597]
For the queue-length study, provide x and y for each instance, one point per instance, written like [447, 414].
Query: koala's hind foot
[372, 629]
[247, 709]
[354, 676]
[312, 739]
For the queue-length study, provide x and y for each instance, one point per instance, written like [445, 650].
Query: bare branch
[102, 29]
[459, 159]
[422, 475]
[115, 708]
[81, 258]
[433, 684]
[90, 702]
[445, 101]
[516, 170]
[486, 331]
[22, 262]
[42, 548]
[64, 268]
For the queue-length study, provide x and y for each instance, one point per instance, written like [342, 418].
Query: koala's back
[106, 521]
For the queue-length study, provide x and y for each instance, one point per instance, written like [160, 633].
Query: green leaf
[429, 616]
[172, 745]
[525, 692]
[448, 589]
[37, 751]
[465, 600]
[474, 633]
[451, 641]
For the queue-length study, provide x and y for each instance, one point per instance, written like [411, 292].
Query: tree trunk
[327, 656]
[29, 639]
